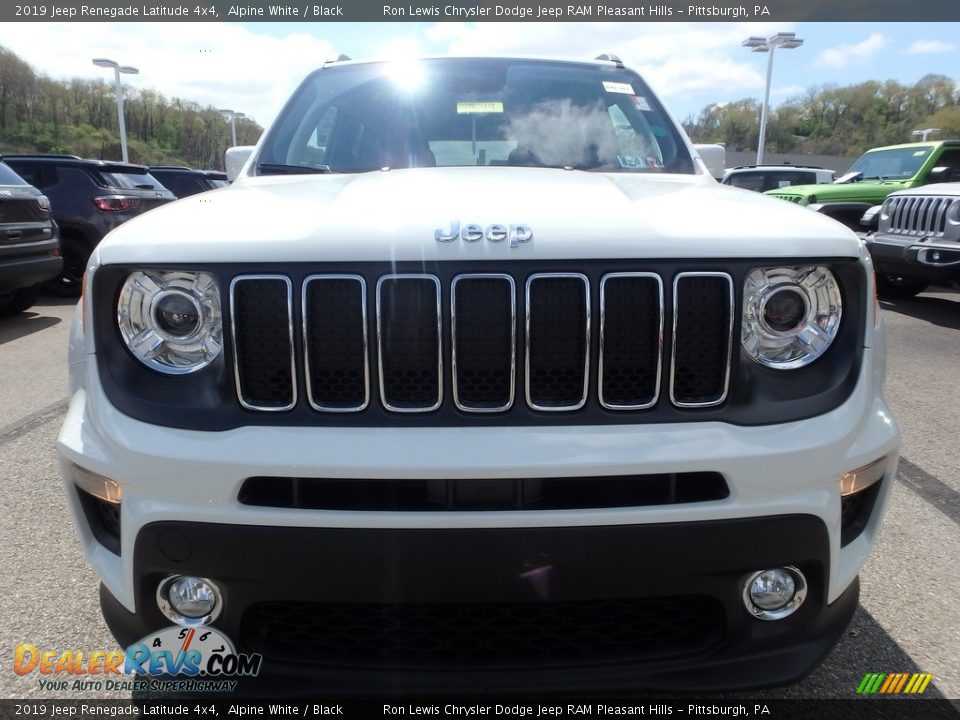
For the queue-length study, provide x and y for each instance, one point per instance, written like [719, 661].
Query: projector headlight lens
[170, 320]
[790, 315]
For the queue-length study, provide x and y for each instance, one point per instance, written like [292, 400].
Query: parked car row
[70, 203]
[903, 200]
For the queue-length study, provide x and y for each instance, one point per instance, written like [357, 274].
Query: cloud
[680, 61]
[926, 47]
[221, 64]
[853, 53]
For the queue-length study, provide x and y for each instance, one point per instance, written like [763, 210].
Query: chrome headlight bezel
[813, 333]
[145, 337]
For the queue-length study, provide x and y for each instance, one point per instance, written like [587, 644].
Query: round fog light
[188, 600]
[774, 594]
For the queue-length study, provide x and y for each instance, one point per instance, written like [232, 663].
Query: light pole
[126, 70]
[786, 40]
[923, 134]
[232, 117]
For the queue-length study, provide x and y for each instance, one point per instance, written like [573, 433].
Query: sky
[253, 67]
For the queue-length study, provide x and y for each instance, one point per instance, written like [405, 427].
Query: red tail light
[116, 203]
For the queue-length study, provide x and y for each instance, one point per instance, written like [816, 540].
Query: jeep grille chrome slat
[702, 339]
[336, 364]
[483, 320]
[919, 215]
[557, 369]
[261, 322]
[409, 343]
[631, 340]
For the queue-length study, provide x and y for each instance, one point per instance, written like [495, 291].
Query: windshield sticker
[615, 87]
[919, 153]
[479, 107]
[632, 162]
[640, 103]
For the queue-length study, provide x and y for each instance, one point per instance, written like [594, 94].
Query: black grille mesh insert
[702, 339]
[335, 323]
[484, 316]
[261, 312]
[409, 342]
[631, 340]
[424, 635]
[557, 323]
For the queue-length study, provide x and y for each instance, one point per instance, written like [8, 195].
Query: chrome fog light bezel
[778, 613]
[175, 616]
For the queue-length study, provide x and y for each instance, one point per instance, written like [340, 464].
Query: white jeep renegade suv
[474, 380]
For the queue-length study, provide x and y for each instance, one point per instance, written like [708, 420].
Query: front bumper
[590, 608]
[783, 508]
[936, 261]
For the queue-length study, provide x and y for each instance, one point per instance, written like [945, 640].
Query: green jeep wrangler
[875, 175]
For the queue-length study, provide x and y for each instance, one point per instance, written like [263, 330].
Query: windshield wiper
[281, 169]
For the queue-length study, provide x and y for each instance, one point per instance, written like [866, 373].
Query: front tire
[899, 287]
[19, 300]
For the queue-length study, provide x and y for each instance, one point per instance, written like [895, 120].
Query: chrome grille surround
[306, 344]
[673, 352]
[466, 277]
[396, 277]
[535, 277]
[603, 308]
[236, 360]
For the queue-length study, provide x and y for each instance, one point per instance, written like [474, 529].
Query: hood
[949, 189]
[393, 215]
[872, 191]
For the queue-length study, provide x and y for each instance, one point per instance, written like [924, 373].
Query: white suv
[772, 177]
[475, 380]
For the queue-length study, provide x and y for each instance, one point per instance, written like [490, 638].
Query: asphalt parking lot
[908, 620]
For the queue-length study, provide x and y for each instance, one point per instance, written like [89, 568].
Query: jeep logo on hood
[495, 233]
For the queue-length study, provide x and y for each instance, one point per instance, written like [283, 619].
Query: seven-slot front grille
[422, 327]
[919, 215]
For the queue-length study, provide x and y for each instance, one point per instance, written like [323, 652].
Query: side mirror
[235, 158]
[939, 174]
[871, 218]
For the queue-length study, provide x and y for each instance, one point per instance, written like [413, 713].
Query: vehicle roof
[930, 143]
[613, 60]
[108, 165]
[781, 166]
[182, 168]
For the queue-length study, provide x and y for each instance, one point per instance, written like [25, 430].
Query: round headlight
[790, 315]
[171, 321]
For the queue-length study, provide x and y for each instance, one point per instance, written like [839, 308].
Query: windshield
[464, 112]
[895, 164]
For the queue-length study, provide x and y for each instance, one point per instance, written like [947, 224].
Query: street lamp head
[754, 42]
[239, 115]
[225, 111]
[127, 70]
[103, 62]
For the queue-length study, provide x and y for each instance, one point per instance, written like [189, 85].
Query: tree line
[832, 120]
[79, 117]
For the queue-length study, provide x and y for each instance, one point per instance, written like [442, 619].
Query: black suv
[29, 249]
[89, 199]
[184, 181]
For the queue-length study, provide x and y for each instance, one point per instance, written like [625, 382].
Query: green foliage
[79, 117]
[832, 120]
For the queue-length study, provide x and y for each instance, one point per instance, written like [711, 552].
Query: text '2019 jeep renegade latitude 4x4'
[475, 380]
